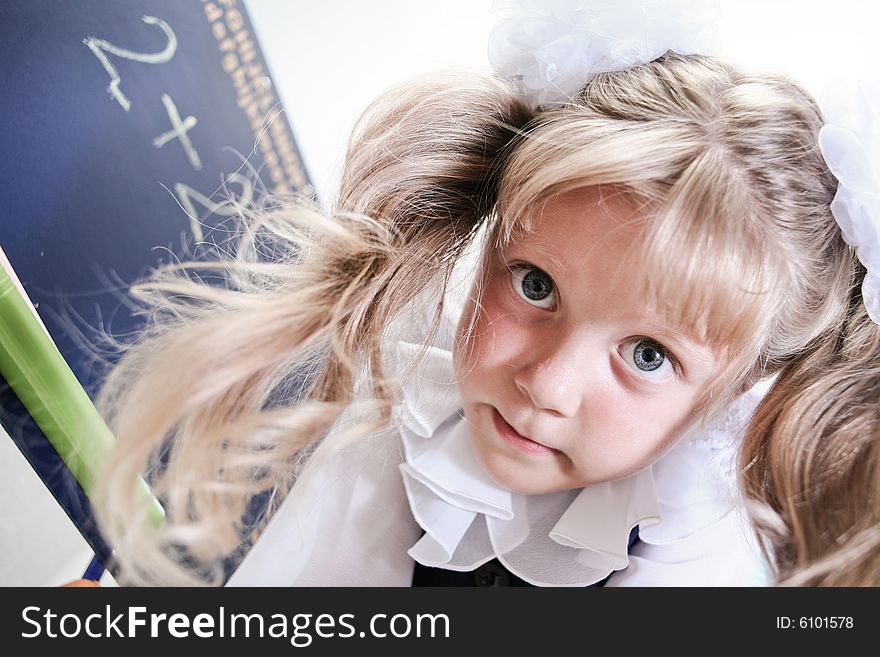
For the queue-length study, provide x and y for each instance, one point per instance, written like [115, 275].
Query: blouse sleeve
[346, 522]
[722, 554]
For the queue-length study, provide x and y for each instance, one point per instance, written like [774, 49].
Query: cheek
[492, 347]
[624, 436]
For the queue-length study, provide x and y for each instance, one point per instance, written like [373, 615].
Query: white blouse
[363, 512]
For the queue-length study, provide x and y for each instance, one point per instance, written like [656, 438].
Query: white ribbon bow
[850, 143]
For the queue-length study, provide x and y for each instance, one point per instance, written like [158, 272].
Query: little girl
[575, 344]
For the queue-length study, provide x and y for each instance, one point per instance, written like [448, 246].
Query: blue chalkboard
[125, 126]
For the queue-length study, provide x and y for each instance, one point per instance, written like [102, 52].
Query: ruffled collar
[570, 538]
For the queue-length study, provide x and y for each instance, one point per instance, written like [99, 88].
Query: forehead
[588, 210]
[596, 232]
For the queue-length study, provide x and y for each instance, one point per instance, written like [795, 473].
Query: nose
[554, 380]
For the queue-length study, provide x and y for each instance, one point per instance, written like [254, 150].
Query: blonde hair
[728, 165]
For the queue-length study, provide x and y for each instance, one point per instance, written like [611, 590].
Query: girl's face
[571, 377]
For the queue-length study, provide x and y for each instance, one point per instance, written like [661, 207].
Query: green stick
[49, 390]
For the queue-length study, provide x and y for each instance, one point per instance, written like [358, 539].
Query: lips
[516, 440]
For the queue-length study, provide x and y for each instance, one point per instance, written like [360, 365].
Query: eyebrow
[543, 253]
[704, 355]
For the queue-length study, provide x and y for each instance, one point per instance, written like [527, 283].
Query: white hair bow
[552, 48]
[850, 143]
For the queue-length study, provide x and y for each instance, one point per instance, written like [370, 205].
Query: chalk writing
[99, 47]
[179, 132]
[254, 97]
[189, 196]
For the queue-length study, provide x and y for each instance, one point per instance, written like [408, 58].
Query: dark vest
[491, 573]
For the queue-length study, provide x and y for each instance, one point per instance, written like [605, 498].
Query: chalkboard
[126, 125]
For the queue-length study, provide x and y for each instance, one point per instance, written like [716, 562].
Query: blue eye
[534, 286]
[648, 358]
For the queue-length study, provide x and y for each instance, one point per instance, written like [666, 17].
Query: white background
[329, 58]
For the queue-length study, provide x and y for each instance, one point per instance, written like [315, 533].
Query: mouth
[518, 441]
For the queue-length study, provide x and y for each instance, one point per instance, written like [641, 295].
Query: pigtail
[811, 459]
[230, 387]
[425, 158]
